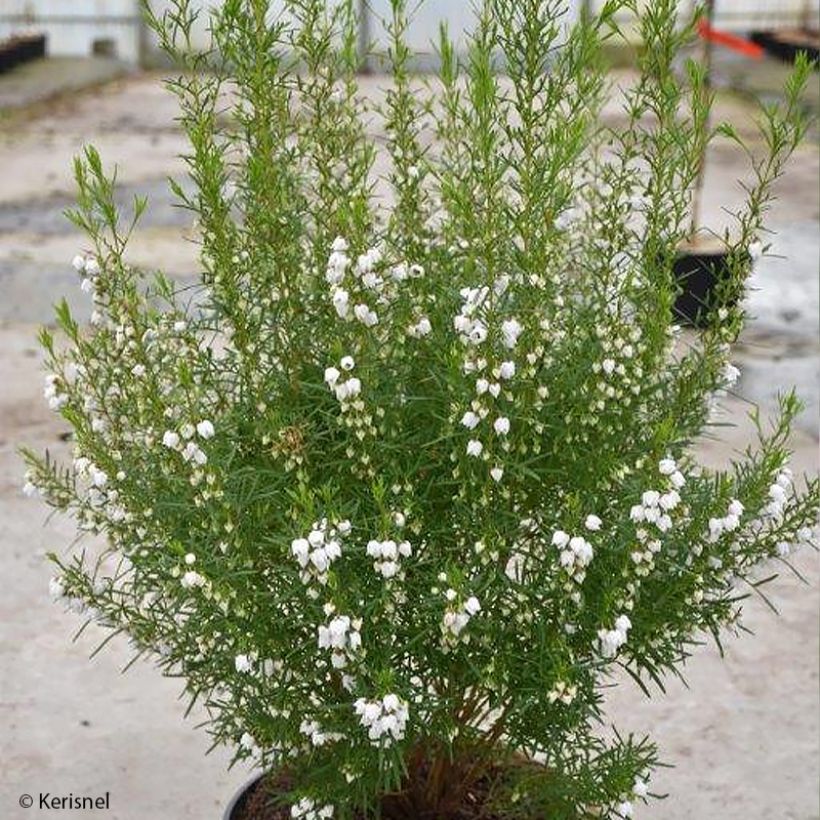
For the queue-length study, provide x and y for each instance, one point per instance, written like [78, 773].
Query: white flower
[474, 448]
[582, 550]
[421, 328]
[192, 579]
[205, 429]
[560, 539]
[497, 473]
[611, 640]
[389, 569]
[78, 263]
[478, 332]
[365, 315]
[777, 493]
[730, 374]
[192, 453]
[667, 466]
[608, 365]
[470, 420]
[347, 363]
[592, 522]
[623, 624]
[300, 547]
[670, 500]
[341, 302]
[507, 370]
[502, 426]
[243, 663]
[651, 498]
[511, 329]
[331, 376]
[472, 605]
[307, 809]
[92, 267]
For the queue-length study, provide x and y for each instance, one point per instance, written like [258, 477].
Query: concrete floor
[744, 739]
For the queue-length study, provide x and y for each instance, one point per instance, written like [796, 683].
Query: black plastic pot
[697, 273]
[239, 800]
[786, 45]
[21, 49]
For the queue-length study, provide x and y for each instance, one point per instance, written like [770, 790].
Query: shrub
[408, 476]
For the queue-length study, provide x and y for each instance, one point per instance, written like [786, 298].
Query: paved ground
[43, 80]
[744, 739]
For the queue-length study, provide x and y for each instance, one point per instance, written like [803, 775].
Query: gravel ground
[743, 739]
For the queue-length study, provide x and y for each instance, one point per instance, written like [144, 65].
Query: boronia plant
[407, 478]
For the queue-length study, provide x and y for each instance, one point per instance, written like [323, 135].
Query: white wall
[72, 26]
[747, 15]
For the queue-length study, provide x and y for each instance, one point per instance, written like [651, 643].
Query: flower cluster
[183, 441]
[385, 719]
[344, 388]
[456, 617]
[387, 556]
[343, 638]
[576, 553]
[778, 494]
[562, 692]
[318, 737]
[317, 552]
[309, 809]
[611, 640]
[88, 268]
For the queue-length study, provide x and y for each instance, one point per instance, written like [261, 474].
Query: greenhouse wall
[114, 28]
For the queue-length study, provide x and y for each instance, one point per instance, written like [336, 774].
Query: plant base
[257, 800]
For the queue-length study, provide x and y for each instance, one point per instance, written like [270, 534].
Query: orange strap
[732, 41]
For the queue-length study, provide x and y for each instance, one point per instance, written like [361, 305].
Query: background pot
[238, 800]
[697, 271]
[21, 49]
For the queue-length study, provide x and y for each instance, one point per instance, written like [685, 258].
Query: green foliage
[408, 476]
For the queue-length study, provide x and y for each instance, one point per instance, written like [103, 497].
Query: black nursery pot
[697, 273]
[240, 799]
[21, 49]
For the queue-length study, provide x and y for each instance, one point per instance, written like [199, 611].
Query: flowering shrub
[408, 476]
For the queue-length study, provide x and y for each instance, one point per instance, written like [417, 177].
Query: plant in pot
[403, 483]
[703, 257]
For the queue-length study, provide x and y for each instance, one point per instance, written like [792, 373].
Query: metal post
[697, 189]
[363, 19]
